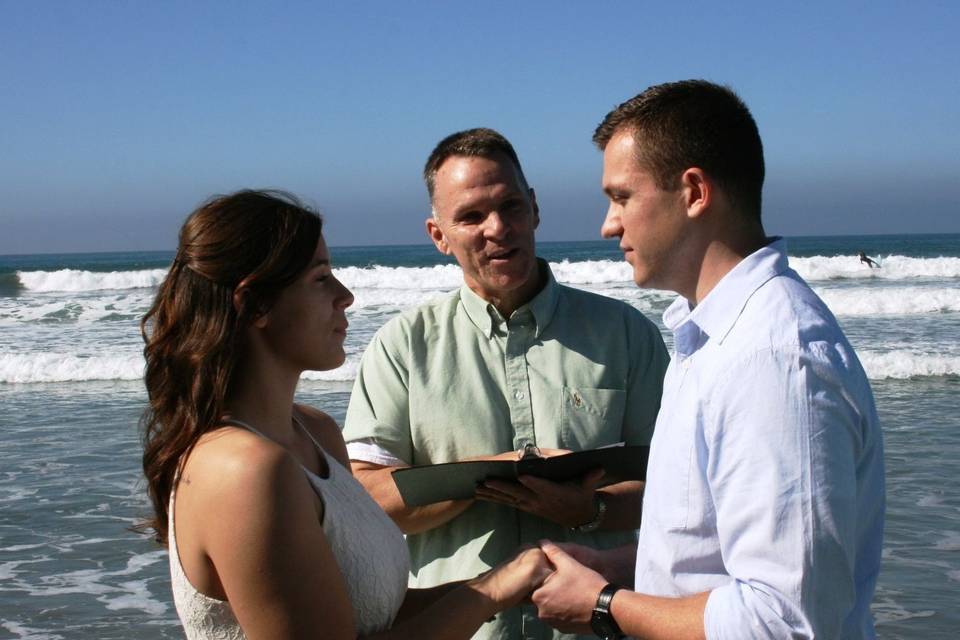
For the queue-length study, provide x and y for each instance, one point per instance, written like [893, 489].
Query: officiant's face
[485, 216]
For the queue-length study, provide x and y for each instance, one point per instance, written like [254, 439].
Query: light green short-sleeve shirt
[453, 379]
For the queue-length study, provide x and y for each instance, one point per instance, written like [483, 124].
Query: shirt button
[518, 395]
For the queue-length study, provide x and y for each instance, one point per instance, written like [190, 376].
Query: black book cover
[458, 480]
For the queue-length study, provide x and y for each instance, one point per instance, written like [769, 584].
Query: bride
[269, 534]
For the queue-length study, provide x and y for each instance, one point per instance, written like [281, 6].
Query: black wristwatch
[602, 623]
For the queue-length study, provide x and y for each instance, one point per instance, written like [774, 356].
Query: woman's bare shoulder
[325, 430]
[236, 465]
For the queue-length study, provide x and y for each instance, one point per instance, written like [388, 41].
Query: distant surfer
[864, 258]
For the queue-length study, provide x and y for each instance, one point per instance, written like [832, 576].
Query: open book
[458, 480]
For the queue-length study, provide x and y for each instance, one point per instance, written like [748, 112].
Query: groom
[763, 510]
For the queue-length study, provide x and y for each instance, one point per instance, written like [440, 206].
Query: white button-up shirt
[765, 484]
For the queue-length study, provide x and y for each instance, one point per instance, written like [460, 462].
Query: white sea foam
[127, 308]
[344, 373]
[137, 597]
[949, 543]
[906, 364]
[935, 500]
[91, 334]
[449, 276]
[53, 367]
[392, 299]
[60, 367]
[16, 548]
[891, 301]
[9, 569]
[94, 582]
[28, 633]
[892, 268]
[82, 309]
[438, 277]
[592, 271]
[16, 494]
[886, 609]
[76, 280]
[63, 367]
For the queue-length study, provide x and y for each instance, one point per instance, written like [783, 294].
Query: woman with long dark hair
[269, 534]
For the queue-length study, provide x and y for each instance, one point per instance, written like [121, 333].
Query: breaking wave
[26, 368]
[29, 368]
[74, 280]
[449, 276]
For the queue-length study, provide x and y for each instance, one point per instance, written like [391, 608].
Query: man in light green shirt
[511, 359]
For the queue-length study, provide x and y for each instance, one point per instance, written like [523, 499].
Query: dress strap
[298, 422]
[241, 423]
[303, 428]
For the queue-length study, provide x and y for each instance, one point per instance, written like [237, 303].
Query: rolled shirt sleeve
[378, 415]
[765, 485]
[782, 440]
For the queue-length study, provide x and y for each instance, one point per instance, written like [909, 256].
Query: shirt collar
[716, 314]
[542, 306]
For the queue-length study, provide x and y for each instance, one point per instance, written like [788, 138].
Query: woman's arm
[259, 525]
[260, 530]
[462, 607]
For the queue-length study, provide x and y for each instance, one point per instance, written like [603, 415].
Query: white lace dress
[368, 546]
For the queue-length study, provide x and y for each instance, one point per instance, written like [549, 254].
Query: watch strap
[602, 621]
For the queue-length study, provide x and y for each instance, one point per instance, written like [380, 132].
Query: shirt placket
[519, 334]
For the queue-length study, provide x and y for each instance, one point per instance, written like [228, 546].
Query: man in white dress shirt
[763, 511]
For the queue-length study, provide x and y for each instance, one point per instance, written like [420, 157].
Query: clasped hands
[561, 580]
[565, 579]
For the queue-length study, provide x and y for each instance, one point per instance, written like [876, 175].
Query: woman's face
[307, 323]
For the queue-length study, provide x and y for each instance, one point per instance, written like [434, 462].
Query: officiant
[510, 360]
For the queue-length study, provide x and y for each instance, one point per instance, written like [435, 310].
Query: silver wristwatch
[594, 524]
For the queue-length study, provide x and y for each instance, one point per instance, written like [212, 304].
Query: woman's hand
[511, 581]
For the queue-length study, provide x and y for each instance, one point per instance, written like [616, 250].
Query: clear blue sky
[117, 118]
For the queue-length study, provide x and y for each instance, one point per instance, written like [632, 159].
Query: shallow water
[69, 568]
[70, 398]
[920, 575]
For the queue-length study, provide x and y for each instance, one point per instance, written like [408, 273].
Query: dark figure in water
[864, 258]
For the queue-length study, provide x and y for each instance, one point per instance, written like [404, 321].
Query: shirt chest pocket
[591, 418]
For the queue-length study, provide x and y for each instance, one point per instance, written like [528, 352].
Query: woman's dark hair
[236, 253]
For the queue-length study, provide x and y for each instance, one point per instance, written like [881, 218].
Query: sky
[118, 118]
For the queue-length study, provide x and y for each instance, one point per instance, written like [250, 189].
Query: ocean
[71, 395]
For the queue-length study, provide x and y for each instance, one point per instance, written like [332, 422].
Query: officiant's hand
[569, 504]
